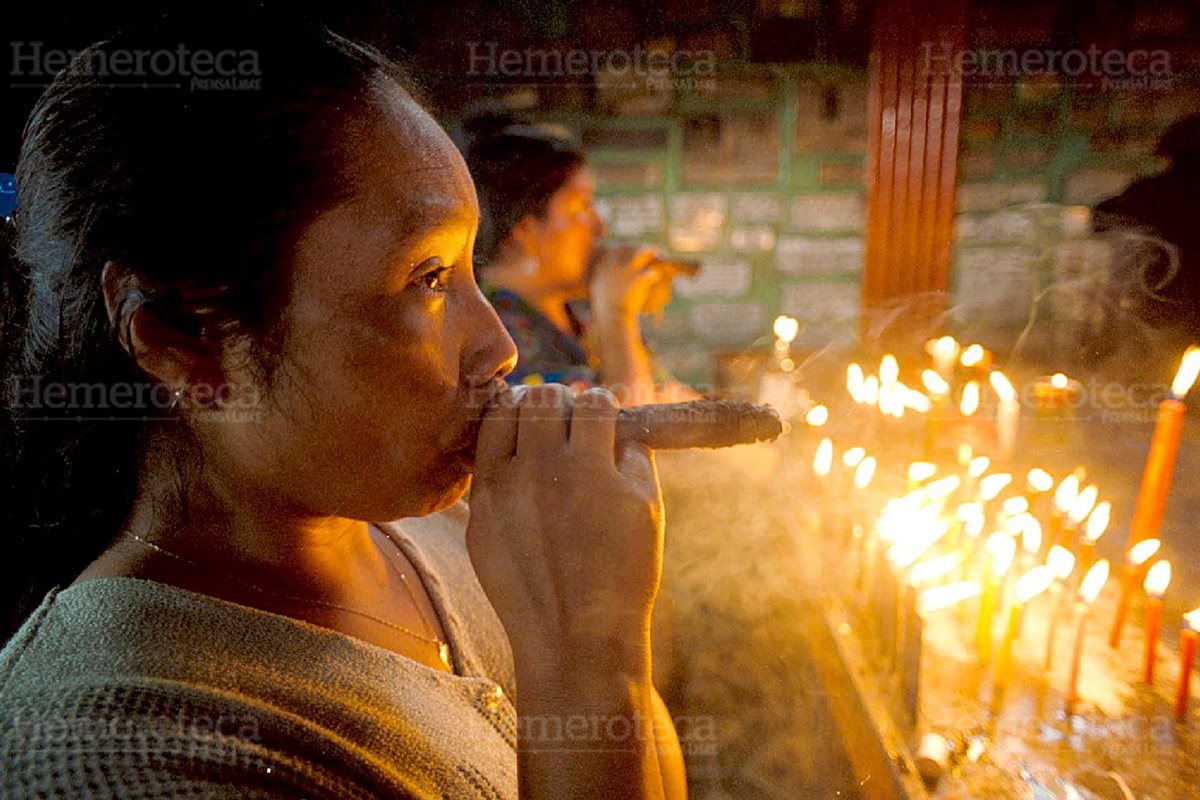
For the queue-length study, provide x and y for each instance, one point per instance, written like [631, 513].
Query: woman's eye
[436, 279]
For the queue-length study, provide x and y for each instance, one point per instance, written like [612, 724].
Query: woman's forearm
[625, 366]
[588, 736]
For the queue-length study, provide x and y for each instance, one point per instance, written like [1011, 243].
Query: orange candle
[1093, 582]
[1157, 580]
[1131, 574]
[1164, 446]
[1188, 639]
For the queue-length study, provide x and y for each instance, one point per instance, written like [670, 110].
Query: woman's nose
[491, 353]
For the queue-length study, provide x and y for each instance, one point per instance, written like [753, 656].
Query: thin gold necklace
[443, 649]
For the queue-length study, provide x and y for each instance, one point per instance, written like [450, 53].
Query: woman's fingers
[497, 441]
[543, 419]
[594, 422]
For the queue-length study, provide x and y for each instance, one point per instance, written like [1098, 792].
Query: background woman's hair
[517, 168]
[200, 190]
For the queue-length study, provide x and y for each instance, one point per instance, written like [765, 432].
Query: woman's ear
[160, 350]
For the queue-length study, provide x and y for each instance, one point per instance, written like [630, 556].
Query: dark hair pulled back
[199, 189]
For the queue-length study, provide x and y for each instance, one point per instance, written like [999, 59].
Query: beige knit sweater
[124, 688]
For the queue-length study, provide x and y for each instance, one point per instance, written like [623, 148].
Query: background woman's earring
[176, 396]
[529, 265]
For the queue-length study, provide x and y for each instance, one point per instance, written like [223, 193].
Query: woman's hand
[621, 280]
[566, 531]
[566, 538]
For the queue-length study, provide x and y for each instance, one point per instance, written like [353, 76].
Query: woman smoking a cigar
[538, 257]
[205, 419]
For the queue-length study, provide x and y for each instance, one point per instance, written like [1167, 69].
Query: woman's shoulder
[437, 545]
[140, 683]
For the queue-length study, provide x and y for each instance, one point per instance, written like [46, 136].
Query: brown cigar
[677, 266]
[700, 423]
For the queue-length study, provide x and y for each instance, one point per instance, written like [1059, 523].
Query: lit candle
[785, 328]
[1097, 524]
[944, 352]
[889, 370]
[817, 416]
[822, 463]
[1064, 498]
[854, 383]
[1164, 445]
[1031, 584]
[1008, 413]
[969, 403]
[1188, 639]
[1157, 580]
[1002, 548]
[1085, 501]
[1037, 483]
[1062, 562]
[919, 472]
[1131, 574]
[1093, 582]
[976, 358]
[939, 392]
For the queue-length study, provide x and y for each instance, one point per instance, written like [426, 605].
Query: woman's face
[564, 236]
[389, 346]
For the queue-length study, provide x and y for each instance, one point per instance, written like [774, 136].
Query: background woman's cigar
[677, 266]
[700, 423]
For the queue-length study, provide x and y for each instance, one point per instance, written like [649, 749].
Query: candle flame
[1189, 368]
[1034, 582]
[934, 568]
[964, 454]
[943, 487]
[817, 416]
[1031, 535]
[870, 390]
[904, 553]
[786, 328]
[993, 485]
[1094, 581]
[945, 346]
[1039, 480]
[946, 596]
[972, 355]
[1064, 496]
[968, 511]
[1142, 552]
[974, 526]
[1015, 505]
[915, 400]
[970, 399]
[823, 460]
[1059, 380]
[920, 471]
[1002, 386]
[854, 383]
[889, 370]
[1157, 579]
[852, 457]
[1084, 502]
[934, 384]
[1097, 523]
[864, 473]
[1062, 561]
[1003, 549]
[1192, 619]
[978, 466]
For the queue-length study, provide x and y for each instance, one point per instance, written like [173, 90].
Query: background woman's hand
[566, 532]
[621, 281]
